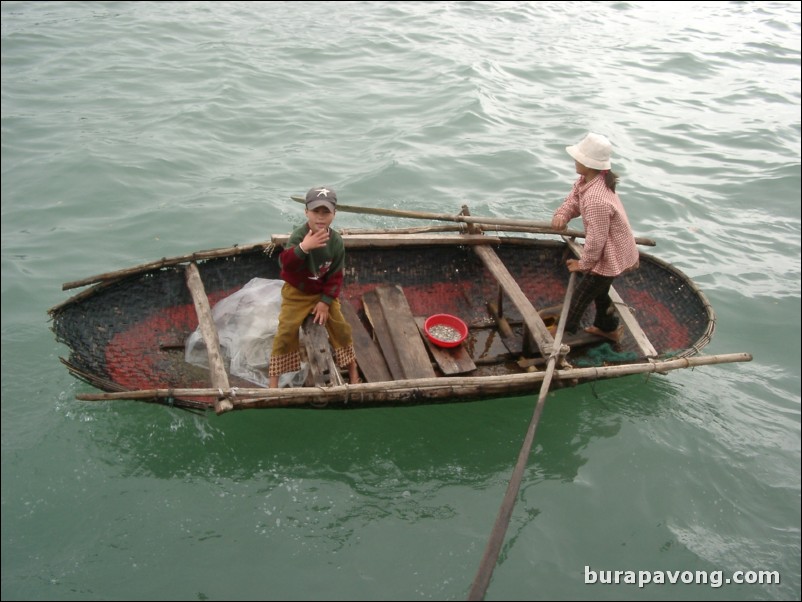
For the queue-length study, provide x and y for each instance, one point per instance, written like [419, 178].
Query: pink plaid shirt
[609, 243]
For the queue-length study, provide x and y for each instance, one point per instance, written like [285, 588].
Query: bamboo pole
[490, 557]
[165, 262]
[300, 396]
[392, 240]
[415, 230]
[352, 238]
[531, 225]
[503, 224]
[217, 369]
[238, 250]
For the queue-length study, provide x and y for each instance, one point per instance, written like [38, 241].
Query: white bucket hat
[593, 151]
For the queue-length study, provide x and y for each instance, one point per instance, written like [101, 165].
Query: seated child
[312, 270]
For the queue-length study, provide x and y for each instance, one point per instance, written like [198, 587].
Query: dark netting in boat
[673, 312]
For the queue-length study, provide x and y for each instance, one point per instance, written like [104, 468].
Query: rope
[482, 579]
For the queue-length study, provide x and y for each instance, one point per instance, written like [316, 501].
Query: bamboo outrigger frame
[495, 386]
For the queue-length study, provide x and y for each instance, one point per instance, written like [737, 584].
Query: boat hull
[129, 334]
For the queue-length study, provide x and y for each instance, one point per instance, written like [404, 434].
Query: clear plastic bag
[246, 323]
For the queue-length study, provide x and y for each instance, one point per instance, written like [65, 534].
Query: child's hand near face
[315, 239]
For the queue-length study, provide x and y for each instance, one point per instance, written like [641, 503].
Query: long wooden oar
[519, 225]
[482, 579]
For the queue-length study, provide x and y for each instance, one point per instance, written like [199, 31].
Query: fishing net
[603, 355]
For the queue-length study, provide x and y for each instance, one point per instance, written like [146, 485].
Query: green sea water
[134, 131]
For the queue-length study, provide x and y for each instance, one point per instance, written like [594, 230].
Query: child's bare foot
[613, 335]
[353, 374]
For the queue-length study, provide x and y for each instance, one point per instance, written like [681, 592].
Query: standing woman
[610, 246]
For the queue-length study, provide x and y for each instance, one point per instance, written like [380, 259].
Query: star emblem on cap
[324, 191]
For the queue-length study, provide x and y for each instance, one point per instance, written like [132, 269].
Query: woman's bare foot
[613, 335]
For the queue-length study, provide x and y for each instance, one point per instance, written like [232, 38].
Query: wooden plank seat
[217, 369]
[532, 320]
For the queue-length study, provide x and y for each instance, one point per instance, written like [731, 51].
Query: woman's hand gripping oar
[482, 579]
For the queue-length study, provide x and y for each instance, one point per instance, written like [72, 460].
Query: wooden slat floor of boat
[397, 333]
[574, 341]
[375, 314]
[513, 342]
[454, 360]
[627, 317]
[369, 356]
[405, 334]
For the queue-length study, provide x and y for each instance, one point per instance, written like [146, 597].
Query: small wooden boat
[126, 333]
